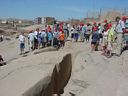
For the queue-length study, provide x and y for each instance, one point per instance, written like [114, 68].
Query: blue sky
[61, 9]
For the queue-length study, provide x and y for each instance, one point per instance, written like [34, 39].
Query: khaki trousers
[119, 43]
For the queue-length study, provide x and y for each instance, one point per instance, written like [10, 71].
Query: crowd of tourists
[41, 38]
[108, 37]
[103, 36]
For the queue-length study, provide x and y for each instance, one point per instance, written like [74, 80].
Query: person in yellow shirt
[110, 40]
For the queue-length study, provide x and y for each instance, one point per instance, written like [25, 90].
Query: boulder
[42, 74]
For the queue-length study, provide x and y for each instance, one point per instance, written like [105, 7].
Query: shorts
[94, 43]
[22, 45]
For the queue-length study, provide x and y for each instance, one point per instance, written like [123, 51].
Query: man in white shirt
[119, 29]
[36, 32]
[36, 38]
[31, 40]
[56, 35]
[22, 43]
[44, 37]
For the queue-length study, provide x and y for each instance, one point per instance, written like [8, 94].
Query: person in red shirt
[107, 25]
[95, 27]
[49, 29]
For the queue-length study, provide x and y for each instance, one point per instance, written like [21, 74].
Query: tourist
[88, 32]
[95, 30]
[65, 29]
[62, 39]
[49, 29]
[22, 43]
[56, 38]
[105, 39]
[44, 38]
[36, 38]
[76, 35]
[100, 31]
[50, 38]
[31, 40]
[83, 31]
[1, 37]
[95, 40]
[110, 41]
[39, 40]
[106, 24]
[2, 61]
[95, 27]
[66, 32]
[61, 27]
[72, 32]
[120, 28]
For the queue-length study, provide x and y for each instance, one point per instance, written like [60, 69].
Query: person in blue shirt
[50, 37]
[95, 39]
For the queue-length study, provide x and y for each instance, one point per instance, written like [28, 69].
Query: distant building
[74, 21]
[90, 20]
[19, 21]
[44, 20]
[3, 21]
[38, 20]
[29, 22]
[49, 20]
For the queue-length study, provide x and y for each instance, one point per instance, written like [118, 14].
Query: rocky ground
[96, 75]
